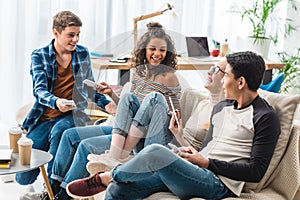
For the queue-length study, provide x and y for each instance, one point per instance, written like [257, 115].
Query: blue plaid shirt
[43, 70]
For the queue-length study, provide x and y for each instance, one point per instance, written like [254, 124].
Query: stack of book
[5, 158]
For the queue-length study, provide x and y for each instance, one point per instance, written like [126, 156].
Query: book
[5, 155]
[5, 165]
[5, 158]
[101, 56]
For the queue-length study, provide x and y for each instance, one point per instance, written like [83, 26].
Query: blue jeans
[151, 117]
[69, 143]
[46, 136]
[95, 145]
[158, 169]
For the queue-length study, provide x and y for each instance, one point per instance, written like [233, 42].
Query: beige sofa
[282, 179]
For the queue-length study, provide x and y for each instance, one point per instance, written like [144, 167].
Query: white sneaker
[105, 163]
[35, 196]
[105, 155]
[96, 157]
[94, 167]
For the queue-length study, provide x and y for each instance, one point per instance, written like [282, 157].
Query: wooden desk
[184, 63]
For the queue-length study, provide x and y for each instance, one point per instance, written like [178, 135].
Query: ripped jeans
[150, 116]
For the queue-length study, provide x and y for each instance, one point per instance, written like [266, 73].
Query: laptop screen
[197, 46]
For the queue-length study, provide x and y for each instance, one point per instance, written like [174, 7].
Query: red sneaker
[86, 187]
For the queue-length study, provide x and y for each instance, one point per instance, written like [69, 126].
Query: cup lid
[15, 130]
[25, 141]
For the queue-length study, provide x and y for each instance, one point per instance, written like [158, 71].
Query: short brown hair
[64, 19]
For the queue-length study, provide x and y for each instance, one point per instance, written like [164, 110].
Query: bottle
[224, 48]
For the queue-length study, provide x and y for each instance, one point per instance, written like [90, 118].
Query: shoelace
[92, 182]
[44, 195]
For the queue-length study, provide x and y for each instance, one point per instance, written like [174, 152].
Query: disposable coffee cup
[15, 133]
[25, 147]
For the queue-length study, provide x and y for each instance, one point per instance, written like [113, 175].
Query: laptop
[197, 47]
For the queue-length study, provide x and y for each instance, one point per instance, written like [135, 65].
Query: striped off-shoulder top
[143, 86]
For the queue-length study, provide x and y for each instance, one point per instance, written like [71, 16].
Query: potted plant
[290, 84]
[262, 15]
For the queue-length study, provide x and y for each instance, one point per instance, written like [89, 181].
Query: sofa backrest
[285, 107]
[190, 98]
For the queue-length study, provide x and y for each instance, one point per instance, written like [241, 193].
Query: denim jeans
[151, 117]
[46, 136]
[95, 145]
[70, 140]
[157, 169]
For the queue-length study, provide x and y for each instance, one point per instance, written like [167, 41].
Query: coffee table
[38, 159]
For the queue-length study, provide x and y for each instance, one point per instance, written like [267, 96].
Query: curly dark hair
[155, 30]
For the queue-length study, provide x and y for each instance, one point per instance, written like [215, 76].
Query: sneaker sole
[93, 167]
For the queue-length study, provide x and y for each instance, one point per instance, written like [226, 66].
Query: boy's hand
[192, 155]
[62, 106]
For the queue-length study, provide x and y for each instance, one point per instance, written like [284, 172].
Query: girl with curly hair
[142, 116]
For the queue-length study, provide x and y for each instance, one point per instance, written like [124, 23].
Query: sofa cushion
[285, 107]
[195, 110]
[189, 101]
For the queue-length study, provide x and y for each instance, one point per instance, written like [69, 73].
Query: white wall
[26, 25]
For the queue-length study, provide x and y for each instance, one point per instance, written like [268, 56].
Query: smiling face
[156, 51]
[66, 40]
[215, 75]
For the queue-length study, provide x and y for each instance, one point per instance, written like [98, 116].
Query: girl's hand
[104, 90]
[175, 128]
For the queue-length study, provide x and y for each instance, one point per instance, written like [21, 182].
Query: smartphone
[173, 110]
[174, 147]
[69, 103]
[92, 84]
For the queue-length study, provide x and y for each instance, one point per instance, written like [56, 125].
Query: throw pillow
[285, 107]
